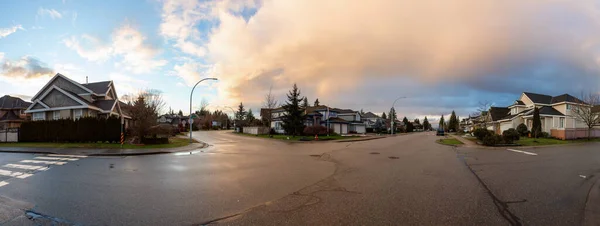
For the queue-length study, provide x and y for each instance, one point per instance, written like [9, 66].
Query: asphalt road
[239, 180]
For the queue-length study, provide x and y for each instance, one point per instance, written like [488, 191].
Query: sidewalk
[103, 152]
[466, 142]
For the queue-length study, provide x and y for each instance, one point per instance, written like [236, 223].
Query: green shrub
[492, 140]
[522, 130]
[481, 133]
[544, 135]
[511, 135]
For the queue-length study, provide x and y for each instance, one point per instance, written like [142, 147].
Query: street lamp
[233, 115]
[392, 116]
[191, 95]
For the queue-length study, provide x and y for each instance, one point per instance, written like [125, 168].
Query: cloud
[7, 31]
[49, 12]
[126, 43]
[127, 85]
[333, 49]
[190, 72]
[89, 47]
[25, 68]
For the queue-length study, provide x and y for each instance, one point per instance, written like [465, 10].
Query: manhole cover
[315, 156]
[393, 157]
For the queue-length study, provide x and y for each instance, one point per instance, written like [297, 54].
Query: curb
[204, 145]
[591, 213]
[451, 145]
[358, 140]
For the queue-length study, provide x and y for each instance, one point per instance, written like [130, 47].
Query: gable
[526, 100]
[37, 106]
[58, 99]
[67, 85]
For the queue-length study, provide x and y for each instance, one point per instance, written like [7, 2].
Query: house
[555, 113]
[63, 98]
[172, 119]
[340, 121]
[370, 119]
[12, 111]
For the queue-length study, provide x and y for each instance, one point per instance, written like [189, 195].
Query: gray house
[63, 98]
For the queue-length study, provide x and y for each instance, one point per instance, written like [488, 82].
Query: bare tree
[154, 99]
[481, 113]
[583, 111]
[204, 107]
[269, 103]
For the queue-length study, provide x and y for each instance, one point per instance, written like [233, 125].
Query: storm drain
[393, 157]
[374, 153]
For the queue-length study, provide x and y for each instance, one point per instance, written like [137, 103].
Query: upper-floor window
[56, 115]
[39, 116]
[514, 111]
[77, 113]
[568, 107]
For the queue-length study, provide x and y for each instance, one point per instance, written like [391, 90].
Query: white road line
[68, 156]
[57, 159]
[2, 183]
[14, 174]
[44, 162]
[524, 152]
[26, 167]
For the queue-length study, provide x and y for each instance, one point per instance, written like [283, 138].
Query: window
[561, 123]
[39, 116]
[568, 106]
[56, 115]
[77, 113]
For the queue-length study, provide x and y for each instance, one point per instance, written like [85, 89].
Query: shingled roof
[566, 98]
[539, 98]
[498, 113]
[10, 116]
[545, 110]
[369, 115]
[98, 87]
[8, 102]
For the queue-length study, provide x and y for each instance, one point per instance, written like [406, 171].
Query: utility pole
[191, 95]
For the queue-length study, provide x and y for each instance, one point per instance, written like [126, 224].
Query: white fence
[256, 130]
[9, 135]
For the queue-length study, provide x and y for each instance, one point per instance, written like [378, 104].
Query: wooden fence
[571, 134]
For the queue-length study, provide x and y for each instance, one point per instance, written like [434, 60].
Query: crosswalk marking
[56, 158]
[69, 156]
[26, 167]
[14, 174]
[44, 162]
[52, 159]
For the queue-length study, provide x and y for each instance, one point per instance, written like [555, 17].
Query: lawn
[526, 141]
[450, 141]
[297, 138]
[173, 143]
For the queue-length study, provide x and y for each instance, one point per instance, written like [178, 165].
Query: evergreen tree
[240, 115]
[305, 103]
[441, 125]
[426, 125]
[317, 102]
[408, 127]
[293, 119]
[383, 116]
[250, 117]
[362, 112]
[392, 115]
[453, 123]
[180, 113]
[536, 127]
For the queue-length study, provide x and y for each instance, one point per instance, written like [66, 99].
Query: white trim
[34, 103]
[54, 113]
[54, 78]
[80, 113]
[65, 108]
[36, 119]
[113, 107]
[64, 92]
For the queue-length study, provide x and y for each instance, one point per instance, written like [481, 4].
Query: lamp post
[392, 116]
[232, 112]
[191, 95]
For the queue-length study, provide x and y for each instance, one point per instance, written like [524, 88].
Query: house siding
[37, 106]
[562, 108]
[57, 99]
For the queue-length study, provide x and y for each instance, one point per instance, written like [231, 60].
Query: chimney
[86, 80]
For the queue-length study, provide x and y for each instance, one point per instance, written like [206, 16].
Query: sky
[440, 55]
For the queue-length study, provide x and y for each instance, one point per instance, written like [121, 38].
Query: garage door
[505, 126]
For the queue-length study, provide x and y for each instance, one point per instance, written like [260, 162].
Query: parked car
[440, 132]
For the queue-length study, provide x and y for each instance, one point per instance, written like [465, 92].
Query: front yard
[173, 143]
[298, 138]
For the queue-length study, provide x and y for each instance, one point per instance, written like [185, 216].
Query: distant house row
[63, 98]
[556, 115]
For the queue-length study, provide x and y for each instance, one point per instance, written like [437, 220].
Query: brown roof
[10, 116]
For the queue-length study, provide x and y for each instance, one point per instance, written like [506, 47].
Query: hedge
[86, 129]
